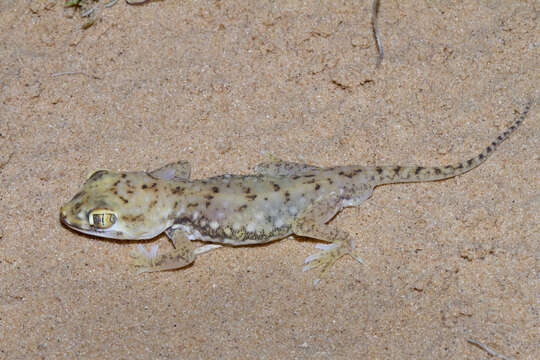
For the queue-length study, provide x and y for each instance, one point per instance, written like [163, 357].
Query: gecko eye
[102, 218]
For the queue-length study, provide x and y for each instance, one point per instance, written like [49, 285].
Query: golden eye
[102, 218]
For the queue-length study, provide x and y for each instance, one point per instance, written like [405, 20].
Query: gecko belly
[228, 235]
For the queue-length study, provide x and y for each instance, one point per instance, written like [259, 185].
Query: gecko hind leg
[276, 167]
[311, 224]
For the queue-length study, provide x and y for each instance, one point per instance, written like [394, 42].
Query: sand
[219, 83]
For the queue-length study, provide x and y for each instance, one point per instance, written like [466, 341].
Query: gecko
[280, 199]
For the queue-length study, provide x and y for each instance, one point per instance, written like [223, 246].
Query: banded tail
[400, 174]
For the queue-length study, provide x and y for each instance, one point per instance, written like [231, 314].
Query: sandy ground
[218, 83]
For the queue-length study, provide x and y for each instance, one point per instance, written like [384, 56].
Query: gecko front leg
[179, 170]
[184, 254]
[311, 223]
[178, 239]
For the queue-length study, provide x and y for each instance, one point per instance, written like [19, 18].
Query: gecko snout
[62, 215]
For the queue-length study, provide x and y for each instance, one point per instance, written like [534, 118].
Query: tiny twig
[136, 2]
[87, 12]
[75, 73]
[374, 13]
[110, 3]
[487, 349]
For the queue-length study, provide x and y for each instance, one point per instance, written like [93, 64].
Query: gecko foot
[326, 258]
[143, 259]
[150, 261]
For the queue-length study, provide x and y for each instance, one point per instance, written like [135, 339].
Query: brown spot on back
[178, 190]
[287, 196]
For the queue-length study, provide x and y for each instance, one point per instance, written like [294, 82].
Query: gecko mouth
[75, 226]
[64, 220]
[69, 224]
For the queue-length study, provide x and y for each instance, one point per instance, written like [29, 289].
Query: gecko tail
[402, 174]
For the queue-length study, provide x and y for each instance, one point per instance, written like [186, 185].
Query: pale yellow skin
[280, 199]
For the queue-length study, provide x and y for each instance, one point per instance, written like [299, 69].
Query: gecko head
[112, 205]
